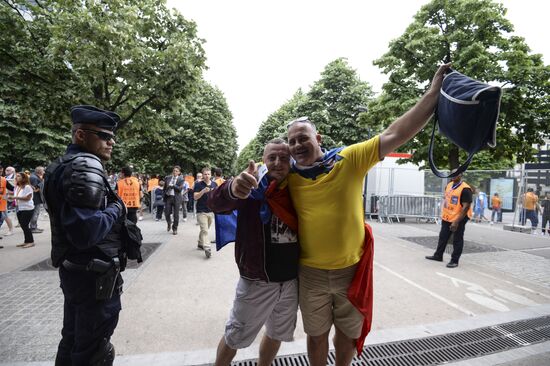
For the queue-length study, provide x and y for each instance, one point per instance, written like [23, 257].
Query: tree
[334, 104]
[119, 55]
[476, 37]
[249, 152]
[204, 132]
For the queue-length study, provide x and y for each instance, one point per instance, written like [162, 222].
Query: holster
[106, 281]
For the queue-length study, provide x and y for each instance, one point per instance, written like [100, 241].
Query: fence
[390, 208]
[510, 185]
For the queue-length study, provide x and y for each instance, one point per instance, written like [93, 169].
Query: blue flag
[226, 229]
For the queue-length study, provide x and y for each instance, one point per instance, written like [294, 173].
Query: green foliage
[137, 59]
[475, 36]
[252, 151]
[334, 104]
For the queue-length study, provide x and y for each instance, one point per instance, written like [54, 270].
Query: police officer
[86, 221]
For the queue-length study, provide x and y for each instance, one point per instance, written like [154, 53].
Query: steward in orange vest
[456, 211]
[129, 190]
[3, 191]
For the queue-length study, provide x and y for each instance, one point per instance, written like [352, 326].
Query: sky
[260, 52]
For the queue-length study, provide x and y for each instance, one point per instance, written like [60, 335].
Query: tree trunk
[453, 157]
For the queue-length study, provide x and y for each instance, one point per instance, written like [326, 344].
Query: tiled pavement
[31, 309]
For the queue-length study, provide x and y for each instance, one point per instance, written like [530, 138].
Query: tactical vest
[61, 245]
[129, 190]
[452, 206]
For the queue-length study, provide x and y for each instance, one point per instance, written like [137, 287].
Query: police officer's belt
[94, 265]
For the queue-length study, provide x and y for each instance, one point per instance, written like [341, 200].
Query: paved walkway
[176, 303]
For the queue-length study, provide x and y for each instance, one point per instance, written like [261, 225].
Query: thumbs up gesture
[245, 182]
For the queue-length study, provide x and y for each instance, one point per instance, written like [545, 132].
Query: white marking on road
[429, 292]
[487, 302]
[515, 297]
[532, 291]
[492, 277]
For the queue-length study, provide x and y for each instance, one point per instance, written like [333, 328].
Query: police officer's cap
[87, 114]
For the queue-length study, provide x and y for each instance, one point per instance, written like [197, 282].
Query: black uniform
[86, 223]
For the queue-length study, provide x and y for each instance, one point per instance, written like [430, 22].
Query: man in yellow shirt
[326, 190]
[530, 207]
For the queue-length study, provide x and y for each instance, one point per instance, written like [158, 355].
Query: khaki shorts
[324, 301]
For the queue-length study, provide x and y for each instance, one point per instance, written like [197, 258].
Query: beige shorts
[324, 301]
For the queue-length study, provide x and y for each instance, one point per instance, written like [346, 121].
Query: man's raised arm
[409, 124]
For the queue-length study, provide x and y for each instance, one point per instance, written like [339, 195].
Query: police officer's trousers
[87, 323]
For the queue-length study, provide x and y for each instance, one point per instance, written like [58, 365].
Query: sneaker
[9, 233]
[452, 265]
[21, 245]
[174, 232]
[200, 247]
[37, 231]
[157, 219]
[168, 227]
[208, 253]
[140, 218]
[434, 258]
[28, 245]
[184, 220]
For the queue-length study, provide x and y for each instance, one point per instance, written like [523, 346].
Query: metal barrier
[400, 206]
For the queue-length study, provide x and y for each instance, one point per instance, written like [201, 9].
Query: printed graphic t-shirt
[282, 251]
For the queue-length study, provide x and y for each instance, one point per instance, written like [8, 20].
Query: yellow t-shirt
[330, 209]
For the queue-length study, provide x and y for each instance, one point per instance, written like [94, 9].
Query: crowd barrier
[396, 207]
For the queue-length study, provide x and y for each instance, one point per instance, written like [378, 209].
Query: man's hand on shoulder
[245, 182]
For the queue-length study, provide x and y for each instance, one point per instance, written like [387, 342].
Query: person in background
[129, 189]
[5, 188]
[545, 205]
[455, 213]
[530, 209]
[173, 185]
[157, 195]
[191, 182]
[36, 180]
[205, 216]
[22, 195]
[496, 207]
[480, 206]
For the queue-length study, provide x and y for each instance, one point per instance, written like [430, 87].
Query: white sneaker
[140, 218]
[9, 233]
[184, 220]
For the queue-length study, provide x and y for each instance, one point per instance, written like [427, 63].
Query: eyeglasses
[105, 136]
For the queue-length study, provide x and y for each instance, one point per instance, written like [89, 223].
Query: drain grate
[439, 349]
[469, 246]
[146, 250]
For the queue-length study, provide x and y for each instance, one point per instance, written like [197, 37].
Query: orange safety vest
[451, 205]
[129, 190]
[153, 182]
[3, 202]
